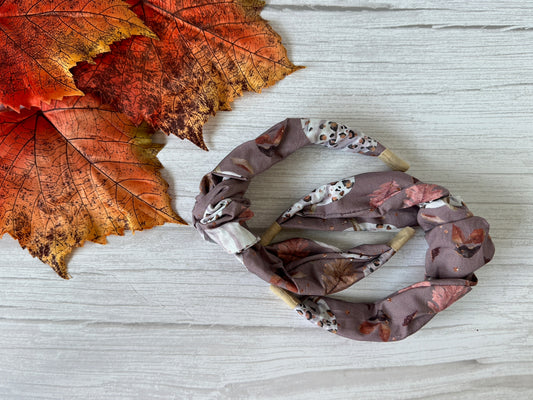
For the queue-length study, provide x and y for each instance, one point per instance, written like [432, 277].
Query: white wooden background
[162, 314]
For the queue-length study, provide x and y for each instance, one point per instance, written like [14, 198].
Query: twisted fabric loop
[303, 271]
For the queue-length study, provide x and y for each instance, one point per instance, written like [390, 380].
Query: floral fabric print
[422, 284]
[379, 323]
[342, 273]
[243, 164]
[293, 249]
[384, 192]
[458, 242]
[303, 259]
[467, 246]
[444, 296]
[422, 193]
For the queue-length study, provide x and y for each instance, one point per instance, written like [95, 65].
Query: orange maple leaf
[42, 40]
[77, 171]
[209, 52]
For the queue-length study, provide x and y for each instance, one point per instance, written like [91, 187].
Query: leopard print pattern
[316, 311]
[371, 227]
[321, 196]
[378, 262]
[334, 135]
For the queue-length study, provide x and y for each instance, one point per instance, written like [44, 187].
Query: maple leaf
[42, 40]
[339, 275]
[292, 249]
[476, 237]
[467, 247]
[268, 144]
[75, 171]
[422, 193]
[209, 52]
[444, 296]
[384, 192]
[277, 280]
[381, 321]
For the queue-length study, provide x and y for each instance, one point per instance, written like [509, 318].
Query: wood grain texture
[157, 315]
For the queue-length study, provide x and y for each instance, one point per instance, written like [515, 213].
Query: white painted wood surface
[164, 315]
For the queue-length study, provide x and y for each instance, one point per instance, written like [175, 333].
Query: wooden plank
[162, 314]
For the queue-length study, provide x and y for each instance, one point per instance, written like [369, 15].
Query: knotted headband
[303, 271]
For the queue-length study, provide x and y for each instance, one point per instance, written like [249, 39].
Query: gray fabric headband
[303, 271]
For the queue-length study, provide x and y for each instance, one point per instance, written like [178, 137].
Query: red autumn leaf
[422, 193]
[209, 52]
[77, 171]
[42, 40]
[384, 192]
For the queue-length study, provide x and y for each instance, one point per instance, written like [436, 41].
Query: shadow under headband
[303, 271]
